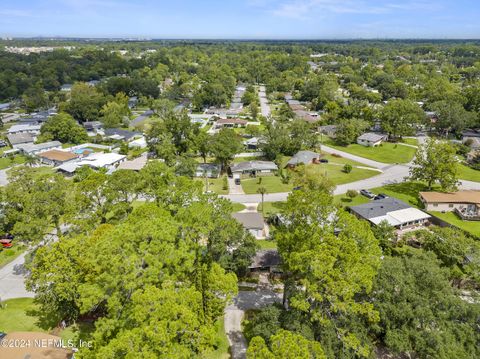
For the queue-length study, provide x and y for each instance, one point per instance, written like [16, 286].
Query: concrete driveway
[12, 280]
[235, 312]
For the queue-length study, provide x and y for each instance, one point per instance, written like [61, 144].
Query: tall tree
[63, 128]
[401, 117]
[225, 145]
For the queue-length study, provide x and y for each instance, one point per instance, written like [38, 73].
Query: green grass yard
[467, 173]
[6, 162]
[266, 244]
[214, 184]
[270, 208]
[237, 207]
[385, 153]
[468, 226]
[9, 254]
[410, 141]
[222, 347]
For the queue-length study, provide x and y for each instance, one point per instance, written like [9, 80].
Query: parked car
[380, 196]
[237, 181]
[367, 193]
[323, 160]
[297, 188]
[6, 243]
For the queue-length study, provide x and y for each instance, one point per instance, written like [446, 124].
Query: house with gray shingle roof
[370, 139]
[304, 157]
[254, 168]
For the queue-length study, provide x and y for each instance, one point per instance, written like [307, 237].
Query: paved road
[265, 107]
[235, 312]
[12, 280]
[142, 117]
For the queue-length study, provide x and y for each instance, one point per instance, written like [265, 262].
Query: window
[435, 205]
[450, 205]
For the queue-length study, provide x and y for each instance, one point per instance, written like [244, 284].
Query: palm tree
[263, 191]
[31, 160]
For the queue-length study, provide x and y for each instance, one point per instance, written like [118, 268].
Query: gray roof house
[20, 138]
[252, 222]
[269, 260]
[370, 139]
[211, 170]
[254, 167]
[395, 212]
[305, 157]
[31, 149]
[119, 134]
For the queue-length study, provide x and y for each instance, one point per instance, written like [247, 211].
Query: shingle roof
[57, 155]
[250, 220]
[379, 207]
[30, 148]
[266, 258]
[18, 138]
[126, 134]
[371, 137]
[453, 197]
[305, 157]
[254, 166]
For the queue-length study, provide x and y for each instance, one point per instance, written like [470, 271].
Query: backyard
[385, 153]
[468, 226]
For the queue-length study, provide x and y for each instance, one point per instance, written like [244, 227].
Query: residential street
[265, 107]
[235, 312]
[12, 280]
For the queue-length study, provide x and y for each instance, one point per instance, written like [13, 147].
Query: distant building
[123, 135]
[304, 157]
[230, 123]
[27, 128]
[370, 139]
[20, 138]
[31, 149]
[134, 165]
[66, 88]
[396, 213]
[211, 170]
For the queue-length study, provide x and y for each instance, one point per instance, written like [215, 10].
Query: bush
[225, 183]
[347, 168]
[351, 193]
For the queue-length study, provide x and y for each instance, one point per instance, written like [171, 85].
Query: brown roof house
[56, 157]
[466, 204]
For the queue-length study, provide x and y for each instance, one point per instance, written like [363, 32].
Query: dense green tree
[225, 145]
[85, 103]
[63, 128]
[348, 131]
[401, 118]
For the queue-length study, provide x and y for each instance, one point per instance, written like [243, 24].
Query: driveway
[12, 280]
[264, 106]
[235, 312]
[233, 188]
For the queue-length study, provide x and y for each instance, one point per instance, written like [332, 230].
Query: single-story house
[465, 203]
[93, 126]
[252, 143]
[370, 139]
[134, 165]
[329, 130]
[32, 149]
[230, 123]
[252, 222]
[211, 170]
[20, 138]
[304, 157]
[26, 128]
[119, 134]
[96, 161]
[397, 213]
[138, 143]
[41, 346]
[57, 157]
[254, 168]
[66, 88]
[266, 260]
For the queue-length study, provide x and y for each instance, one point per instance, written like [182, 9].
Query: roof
[401, 216]
[134, 165]
[250, 220]
[43, 346]
[30, 148]
[371, 137]
[19, 138]
[266, 258]
[126, 134]
[254, 166]
[57, 155]
[452, 197]
[328, 128]
[379, 207]
[100, 159]
[208, 167]
[470, 133]
[92, 124]
[304, 157]
[24, 128]
[235, 121]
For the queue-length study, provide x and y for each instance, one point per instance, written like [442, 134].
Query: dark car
[323, 160]
[367, 193]
[380, 196]
[237, 181]
[297, 188]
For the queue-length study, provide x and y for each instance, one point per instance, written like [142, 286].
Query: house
[254, 168]
[329, 130]
[95, 161]
[56, 157]
[252, 143]
[20, 138]
[266, 260]
[26, 128]
[211, 170]
[32, 149]
[5, 106]
[35, 345]
[123, 135]
[138, 143]
[134, 165]
[132, 102]
[66, 88]
[469, 135]
[304, 157]
[93, 126]
[230, 123]
[466, 204]
[370, 139]
[252, 222]
[397, 213]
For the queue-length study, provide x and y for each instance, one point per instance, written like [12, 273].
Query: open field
[385, 153]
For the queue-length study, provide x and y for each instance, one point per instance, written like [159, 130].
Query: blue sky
[252, 19]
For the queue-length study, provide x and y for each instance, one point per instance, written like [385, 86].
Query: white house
[370, 139]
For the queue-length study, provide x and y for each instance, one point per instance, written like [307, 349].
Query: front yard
[9, 254]
[385, 153]
[214, 184]
[467, 173]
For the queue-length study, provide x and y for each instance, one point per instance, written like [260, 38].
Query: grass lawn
[237, 207]
[386, 153]
[265, 244]
[223, 348]
[6, 162]
[22, 314]
[410, 141]
[335, 173]
[9, 254]
[341, 160]
[246, 159]
[467, 226]
[345, 201]
[214, 184]
[467, 173]
[271, 208]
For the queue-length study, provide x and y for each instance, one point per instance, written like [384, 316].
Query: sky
[242, 19]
